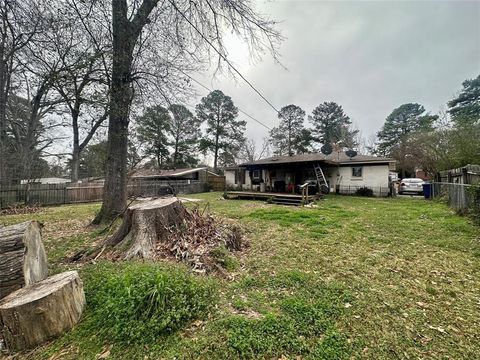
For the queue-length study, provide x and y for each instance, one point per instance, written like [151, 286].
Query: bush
[364, 191]
[134, 302]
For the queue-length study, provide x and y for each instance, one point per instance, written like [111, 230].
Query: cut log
[22, 256]
[145, 224]
[41, 311]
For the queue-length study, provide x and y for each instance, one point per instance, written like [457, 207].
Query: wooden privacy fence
[457, 196]
[216, 183]
[56, 194]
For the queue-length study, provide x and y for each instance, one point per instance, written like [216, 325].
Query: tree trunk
[115, 188]
[75, 165]
[22, 257]
[125, 35]
[144, 225]
[215, 161]
[76, 144]
[39, 312]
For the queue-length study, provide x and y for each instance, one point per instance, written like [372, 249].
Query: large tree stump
[22, 256]
[41, 311]
[145, 224]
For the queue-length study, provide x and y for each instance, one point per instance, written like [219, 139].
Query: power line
[223, 56]
[242, 111]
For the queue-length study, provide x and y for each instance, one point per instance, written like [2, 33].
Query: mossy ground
[355, 277]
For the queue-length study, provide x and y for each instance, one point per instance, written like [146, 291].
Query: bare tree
[28, 127]
[19, 23]
[249, 151]
[183, 33]
[78, 65]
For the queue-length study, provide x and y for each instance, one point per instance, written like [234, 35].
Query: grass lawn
[353, 278]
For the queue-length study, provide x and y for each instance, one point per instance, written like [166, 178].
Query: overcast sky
[370, 57]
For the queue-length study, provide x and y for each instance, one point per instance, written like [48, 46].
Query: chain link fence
[461, 197]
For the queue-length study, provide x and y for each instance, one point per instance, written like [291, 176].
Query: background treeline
[55, 96]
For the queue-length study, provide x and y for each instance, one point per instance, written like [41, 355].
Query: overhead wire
[223, 56]
[239, 109]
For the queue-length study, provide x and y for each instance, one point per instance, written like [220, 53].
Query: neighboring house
[194, 175]
[49, 180]
[343, 174]
[421, 174]
[200, 173]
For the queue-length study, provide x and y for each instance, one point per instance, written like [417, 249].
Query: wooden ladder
[322, 181]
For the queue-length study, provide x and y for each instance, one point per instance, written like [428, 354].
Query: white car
[411, 185]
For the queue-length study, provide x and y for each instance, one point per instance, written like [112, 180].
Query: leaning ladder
[322, 182]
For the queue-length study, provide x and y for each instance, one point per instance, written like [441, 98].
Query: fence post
[27, 190]
[65, 194]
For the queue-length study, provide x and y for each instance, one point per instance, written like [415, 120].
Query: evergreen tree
[332, 126]
[185, 132]
[224, 132]
[399, 125]
[465, 108]
[290, 137]
[153, 129]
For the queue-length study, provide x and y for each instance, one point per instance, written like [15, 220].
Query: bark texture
[125, 35]
[145, 224]
[22, 257]
[42, 311]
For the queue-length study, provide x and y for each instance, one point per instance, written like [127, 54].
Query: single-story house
[187, 176]
[343, 174]
[200, 173]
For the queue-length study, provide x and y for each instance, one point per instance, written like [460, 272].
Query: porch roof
[336, 158]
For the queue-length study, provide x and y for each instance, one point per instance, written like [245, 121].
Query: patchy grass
[355, 277]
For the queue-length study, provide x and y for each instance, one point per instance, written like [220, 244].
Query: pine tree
[399, 125]
[332, 126]
[465, 108]
[185, 132]
[290, 137]
[224, 132]
[153, 129]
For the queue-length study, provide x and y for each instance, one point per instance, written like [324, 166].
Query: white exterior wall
[373, 176]
[230, 179]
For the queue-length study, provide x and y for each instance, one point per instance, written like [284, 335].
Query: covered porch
[283, 178]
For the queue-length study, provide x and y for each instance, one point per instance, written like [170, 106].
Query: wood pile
[22, 257]
[33, 308]
[41, 311]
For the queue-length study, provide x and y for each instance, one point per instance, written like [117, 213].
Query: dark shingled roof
[334, 158]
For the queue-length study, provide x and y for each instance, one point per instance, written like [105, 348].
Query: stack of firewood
[33, 307]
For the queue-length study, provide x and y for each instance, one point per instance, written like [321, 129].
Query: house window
[256, 174]
[357, 171]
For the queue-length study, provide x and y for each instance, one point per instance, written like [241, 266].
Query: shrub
[135, 302]
[364, 191]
